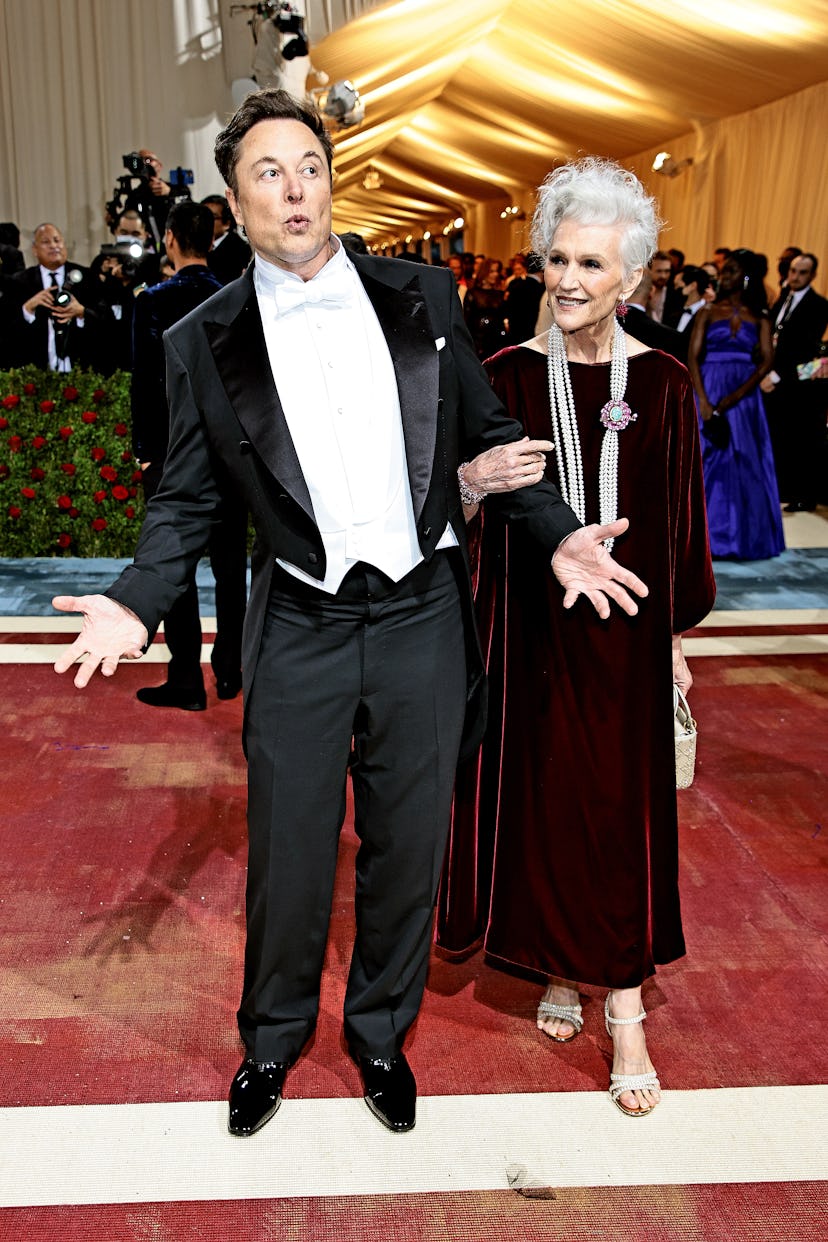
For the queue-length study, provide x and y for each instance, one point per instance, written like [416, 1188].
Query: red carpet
[121, 928]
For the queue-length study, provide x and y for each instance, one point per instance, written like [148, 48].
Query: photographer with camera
[61, 320]
[124, 268]
[152, 197]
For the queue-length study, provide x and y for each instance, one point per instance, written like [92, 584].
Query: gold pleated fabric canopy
[470, 101]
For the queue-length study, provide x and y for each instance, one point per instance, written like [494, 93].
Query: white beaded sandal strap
[619, 1083]
[569, 1013]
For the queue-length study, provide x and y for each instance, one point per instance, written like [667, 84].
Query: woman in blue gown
[730, 351]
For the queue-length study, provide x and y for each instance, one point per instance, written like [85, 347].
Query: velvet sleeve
[693, 585]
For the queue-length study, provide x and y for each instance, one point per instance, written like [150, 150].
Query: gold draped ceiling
[471, 102]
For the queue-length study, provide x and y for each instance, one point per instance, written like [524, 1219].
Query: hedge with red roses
[69, 484]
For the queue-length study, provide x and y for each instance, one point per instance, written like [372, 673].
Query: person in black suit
[187, 240]
[638, 323]
[342, 396]
[230, 253]
[60, 321]
[796, 407]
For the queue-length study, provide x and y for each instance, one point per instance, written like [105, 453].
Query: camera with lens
[61, 297]
[127, 253]
[137, 166]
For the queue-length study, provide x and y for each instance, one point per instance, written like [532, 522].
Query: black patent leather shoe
[173, 696]
[390, 1091]
[255, 1095]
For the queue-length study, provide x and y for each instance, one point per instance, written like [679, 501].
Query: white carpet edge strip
[140, 1153]
[741, 644]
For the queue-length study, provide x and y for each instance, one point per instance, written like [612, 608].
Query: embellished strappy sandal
[619, 1083]
[568, 1013]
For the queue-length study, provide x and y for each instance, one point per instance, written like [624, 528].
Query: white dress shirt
[336, 383]
[55, 363]
[688, 313]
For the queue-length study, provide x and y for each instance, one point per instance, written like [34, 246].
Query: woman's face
[584, 275]
[731, 277]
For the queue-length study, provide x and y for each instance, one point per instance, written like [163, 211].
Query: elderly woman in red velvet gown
[564, 849]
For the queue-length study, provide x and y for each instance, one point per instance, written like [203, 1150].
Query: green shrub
[69, 484]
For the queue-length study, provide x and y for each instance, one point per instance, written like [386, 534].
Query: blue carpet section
[27, 585]
[796, 579]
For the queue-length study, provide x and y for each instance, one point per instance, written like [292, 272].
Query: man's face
[456, 267]
[660, 270]
[800, 273]
[151, 158]
[131, 226]
[49, 247]
[688, 290]
[283, 199]
[219, 227]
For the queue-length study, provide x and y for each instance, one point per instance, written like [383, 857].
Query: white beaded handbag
[684, 727]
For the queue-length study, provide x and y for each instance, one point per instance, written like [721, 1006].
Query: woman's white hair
[596, 191]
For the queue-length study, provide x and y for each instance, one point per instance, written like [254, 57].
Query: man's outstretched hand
[109, 632]
[583, 566]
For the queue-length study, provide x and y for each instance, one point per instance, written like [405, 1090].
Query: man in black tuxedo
[796, 407]
[60, 323]
[340, 394]
[638, 323]
[187, 240]
[230, 254]
[691, 284]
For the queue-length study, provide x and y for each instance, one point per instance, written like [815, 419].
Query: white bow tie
[291, 295]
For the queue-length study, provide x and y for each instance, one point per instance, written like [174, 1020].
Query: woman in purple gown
[563, 855]
[730, 352]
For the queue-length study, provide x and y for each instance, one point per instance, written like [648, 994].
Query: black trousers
[380, 666]
[227, 550]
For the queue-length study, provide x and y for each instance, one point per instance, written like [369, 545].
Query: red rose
[28, 492]
[98, 454]
[30, 389]
[121, 429]
[73, 512]
[89, 416]
[129, 512]
[11, 401]
[63, 541]
[137, 476]
[14, 512]
[133, 491]
[99, 523]
[70, 393]
[68, 467]
[64, 502]
[99, 496]
[109, 473]
[38, 442]
[126, 456]
[4, 422]
[37, 474]
[15, 444]
[65, 433]
[4, 471]
[98, 394]
[120, 493]
[47, 407]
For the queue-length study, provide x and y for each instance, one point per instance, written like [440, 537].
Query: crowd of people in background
[769, 428]
[762, 418]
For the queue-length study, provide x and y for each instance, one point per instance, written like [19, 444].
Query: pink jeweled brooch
[616, 415]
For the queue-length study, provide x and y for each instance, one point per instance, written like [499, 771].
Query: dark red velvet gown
[563, 854]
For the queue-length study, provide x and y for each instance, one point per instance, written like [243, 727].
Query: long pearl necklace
[615, 416]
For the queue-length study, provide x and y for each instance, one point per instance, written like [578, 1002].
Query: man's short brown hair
[266, 105]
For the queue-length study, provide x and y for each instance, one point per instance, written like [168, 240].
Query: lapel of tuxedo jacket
[240, 354]
[400, 306]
